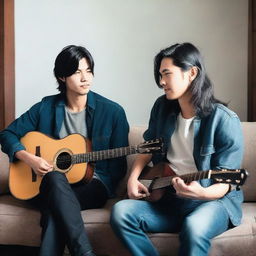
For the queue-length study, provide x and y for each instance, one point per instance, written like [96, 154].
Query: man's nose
[162, 82]
[83, 76]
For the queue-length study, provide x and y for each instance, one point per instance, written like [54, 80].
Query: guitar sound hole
[63, 161]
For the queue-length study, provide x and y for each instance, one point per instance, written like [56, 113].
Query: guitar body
[159, 170]
[24, 183]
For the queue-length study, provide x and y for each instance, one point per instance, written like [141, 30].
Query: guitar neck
[166, 181]
[196, 176]
[103, 154]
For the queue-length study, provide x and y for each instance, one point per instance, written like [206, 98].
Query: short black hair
[67, 61]
[186, 56]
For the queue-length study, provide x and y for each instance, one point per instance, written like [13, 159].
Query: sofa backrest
[249, 160]
[135, 137]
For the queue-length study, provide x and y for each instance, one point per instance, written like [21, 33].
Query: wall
[123, 37]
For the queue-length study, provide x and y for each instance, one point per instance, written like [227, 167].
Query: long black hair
[186, 56]
[67, 62]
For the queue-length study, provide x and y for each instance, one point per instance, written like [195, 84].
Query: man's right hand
[38, 164]
[136, 190]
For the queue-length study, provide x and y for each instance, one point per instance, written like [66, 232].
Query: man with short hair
[75, 110]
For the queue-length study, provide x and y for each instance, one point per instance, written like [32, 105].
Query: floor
[6, 250]
[17, 250]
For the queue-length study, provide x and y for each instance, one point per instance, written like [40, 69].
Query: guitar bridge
[34, 176]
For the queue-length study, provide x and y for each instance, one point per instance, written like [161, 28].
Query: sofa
[19, 222]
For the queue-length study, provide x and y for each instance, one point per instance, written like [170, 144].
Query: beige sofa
[19, 223]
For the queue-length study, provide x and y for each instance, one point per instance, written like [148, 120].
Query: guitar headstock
[151, 146]
[234, 176]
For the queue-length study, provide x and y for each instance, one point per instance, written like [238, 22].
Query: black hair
[67, 62]
[186, 56]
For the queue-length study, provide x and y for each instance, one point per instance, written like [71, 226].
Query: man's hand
[192, 190]
[136, 190]
[38, 164]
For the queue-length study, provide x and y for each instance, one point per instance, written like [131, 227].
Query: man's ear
[63, 79]
[193, 73]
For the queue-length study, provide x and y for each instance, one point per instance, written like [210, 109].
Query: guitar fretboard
[234, 176]
[166, 181]
[103, 154]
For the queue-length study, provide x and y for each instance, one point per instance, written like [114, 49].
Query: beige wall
[124, 36]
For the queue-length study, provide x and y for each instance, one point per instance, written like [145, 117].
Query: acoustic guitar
[159, 177]
[70, 155]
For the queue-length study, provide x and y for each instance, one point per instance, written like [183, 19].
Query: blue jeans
[197, 221]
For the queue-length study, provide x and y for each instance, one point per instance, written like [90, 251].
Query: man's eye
[77, 72]
[89, 71]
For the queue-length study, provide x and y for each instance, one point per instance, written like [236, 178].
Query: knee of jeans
[52, 179]
[120, 212]
[193, 230]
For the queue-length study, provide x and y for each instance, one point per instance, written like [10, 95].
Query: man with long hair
[200, 133]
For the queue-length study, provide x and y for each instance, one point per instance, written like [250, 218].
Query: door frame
[7, 63]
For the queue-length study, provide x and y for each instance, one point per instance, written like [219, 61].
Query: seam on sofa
[234, 236]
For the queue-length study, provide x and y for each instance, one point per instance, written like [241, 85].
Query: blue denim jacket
[106, 123]
[218, 144]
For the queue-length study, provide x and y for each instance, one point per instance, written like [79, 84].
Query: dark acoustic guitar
[159, 177]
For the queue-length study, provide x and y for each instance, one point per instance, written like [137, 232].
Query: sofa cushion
[236, 241]
[19, 222]
[98, 229]
[20, 225]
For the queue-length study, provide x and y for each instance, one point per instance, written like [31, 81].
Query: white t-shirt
[180, 151]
